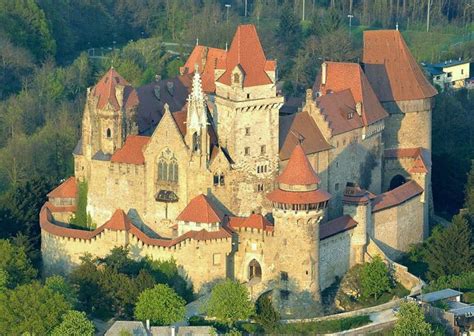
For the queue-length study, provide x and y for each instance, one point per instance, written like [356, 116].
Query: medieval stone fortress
[210, 169]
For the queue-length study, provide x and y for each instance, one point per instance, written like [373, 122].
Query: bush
[329, 326]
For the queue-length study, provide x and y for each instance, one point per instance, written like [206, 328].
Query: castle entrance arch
[255, 270]
[397, 181]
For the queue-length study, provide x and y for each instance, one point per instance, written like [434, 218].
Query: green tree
[161, 305]
[58, 284]
[289, 32]
[470, 192]
[74, 323]
[411, 321]
[266, 314]
[14, 261]
[374, 278]
[229, 302]
[31, 309]
[450, 251]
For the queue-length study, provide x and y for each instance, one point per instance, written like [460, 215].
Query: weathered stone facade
[215, 188]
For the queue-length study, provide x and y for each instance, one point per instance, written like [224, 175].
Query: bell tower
[298, 208]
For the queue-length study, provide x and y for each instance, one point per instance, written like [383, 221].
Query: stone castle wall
[396, 228]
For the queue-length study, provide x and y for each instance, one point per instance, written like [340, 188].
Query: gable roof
[420, 156]
[391, 68]
[118, 222]
[200, 210]
[247, 52]
[298, 171]
[300, 125]
[67, 189]
[396, 196]
[207, 60]
[341, 76]
[254, 221]
[105, 90]
[132, 151]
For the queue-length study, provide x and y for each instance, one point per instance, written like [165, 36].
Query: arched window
[397, 181]
[109, 133]
[173, 171]
[236, 78]
[162, 170]
[196, 144]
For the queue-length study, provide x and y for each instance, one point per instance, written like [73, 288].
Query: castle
[214, 169]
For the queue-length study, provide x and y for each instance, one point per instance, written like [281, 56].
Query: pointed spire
[197, 116]
[298, 170]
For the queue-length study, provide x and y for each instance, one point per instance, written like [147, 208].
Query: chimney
[359, 108]
[173, 331]
[147, 325]
[323, 73]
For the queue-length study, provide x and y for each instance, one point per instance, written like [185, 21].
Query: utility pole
[303, 9]
[428, 16]
[227, 6]
[350, 16]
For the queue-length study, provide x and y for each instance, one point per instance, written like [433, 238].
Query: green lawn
[310, 328]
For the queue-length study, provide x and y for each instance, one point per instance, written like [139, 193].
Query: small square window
[284, 276]
[216, 259]
[221, 180]
[284, 295]
[247, 151]
[248, 95]
[247, 130]
[260, 187]
[263, 149]
[216, 180]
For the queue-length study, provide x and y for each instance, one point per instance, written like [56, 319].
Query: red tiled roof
[254, 221]
[118, 222]
[391, 68]
[335, 226]
[207, 60]
[200, 210]
[356, 195]
[61, 208]
[297, 125]
[105, 90]
[62, 231]
[132, 150]
[342, 76]
[298, 170]
[247, 52]
[396, 196]
[298, 197]
[420, 156]
[67, 189]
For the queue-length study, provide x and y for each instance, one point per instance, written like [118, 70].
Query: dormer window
[350, 115]
[236, 78]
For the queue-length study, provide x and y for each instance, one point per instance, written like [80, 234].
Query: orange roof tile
[298, 170]
[335, 226]
[118, 222]
[342, 76]
[200, 210]
[298, 197]
[121, 222]
[106, 87]
[132, 150]
[396, 196]
[421, 158]
[254, 221]
[391, 68]
[207, 60]
[67, 189]
[247, 52]
[297, 125]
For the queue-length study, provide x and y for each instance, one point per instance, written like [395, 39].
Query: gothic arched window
[109, 133]
[162, 170]
[168, 168]
[173, 171]
[196, 144]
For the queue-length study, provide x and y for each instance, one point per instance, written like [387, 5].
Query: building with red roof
[209, 170]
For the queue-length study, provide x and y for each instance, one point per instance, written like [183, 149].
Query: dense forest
[49, 49]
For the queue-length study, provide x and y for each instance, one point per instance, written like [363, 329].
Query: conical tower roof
[299, 170]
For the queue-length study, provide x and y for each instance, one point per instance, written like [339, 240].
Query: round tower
[298, 207]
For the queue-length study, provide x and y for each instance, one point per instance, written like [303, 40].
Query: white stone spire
[197, 116]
